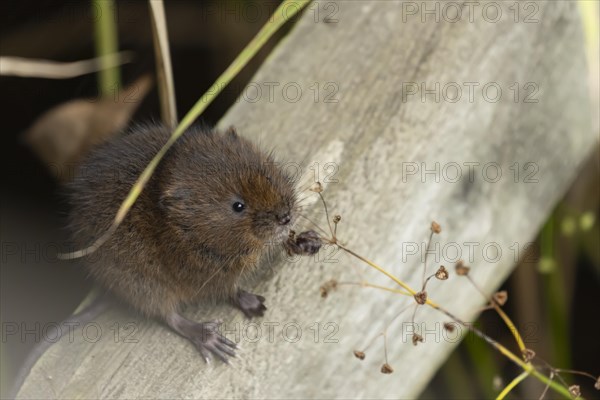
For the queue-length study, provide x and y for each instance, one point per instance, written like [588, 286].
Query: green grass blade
[105, 32]
[282, 14]
[164, 70]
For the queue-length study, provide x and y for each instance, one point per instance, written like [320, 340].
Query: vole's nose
[284, 219]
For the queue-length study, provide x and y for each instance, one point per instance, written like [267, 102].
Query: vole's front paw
[309, 242]
[204, 336]
[250, 304]
[306, 243]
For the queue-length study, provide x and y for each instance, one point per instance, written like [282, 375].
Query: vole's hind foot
[306, 243]
[208, 340]
[250, 304]
[204, 336]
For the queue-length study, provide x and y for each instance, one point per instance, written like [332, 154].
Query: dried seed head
[461, 269]
[359, 354]
[386, 369]
[327, 287]
[597, 384]
[337, 218]
[324, 291]
[316, 187]
[435, 227]
[528, 355]
[416, 338]
[450, 326]
[421, 297]
[442, 273]
[501, 297]
[575, 391]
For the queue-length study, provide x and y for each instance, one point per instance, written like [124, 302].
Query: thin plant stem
[278, 19]
[525, 366]
[164, 71]
[327, 215]
[509, 324]
[372, 285]
[105, 36]
[512, 385]
[547, 386]
[425, 261]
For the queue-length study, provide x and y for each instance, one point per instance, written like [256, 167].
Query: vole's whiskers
[314, 224]
[302, 200]
[270, 257]
[307, 187]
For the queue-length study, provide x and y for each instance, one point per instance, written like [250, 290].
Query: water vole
[212, 207]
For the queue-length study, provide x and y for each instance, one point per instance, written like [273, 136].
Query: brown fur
[181, 241]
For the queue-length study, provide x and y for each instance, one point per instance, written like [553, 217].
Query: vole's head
[221, 192]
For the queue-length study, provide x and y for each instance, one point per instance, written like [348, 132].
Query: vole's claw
[229, 342]
[205, 354]
[250, 304]
[215, 344]
[225, 349]
[204, 336]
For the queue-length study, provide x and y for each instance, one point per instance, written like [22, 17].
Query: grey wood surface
[374, 135]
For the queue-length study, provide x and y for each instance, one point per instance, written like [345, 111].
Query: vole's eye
[238, 206]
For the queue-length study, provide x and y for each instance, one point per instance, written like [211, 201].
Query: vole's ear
[231, 133]
[173, 199]
[164, 200]
[172, 202]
